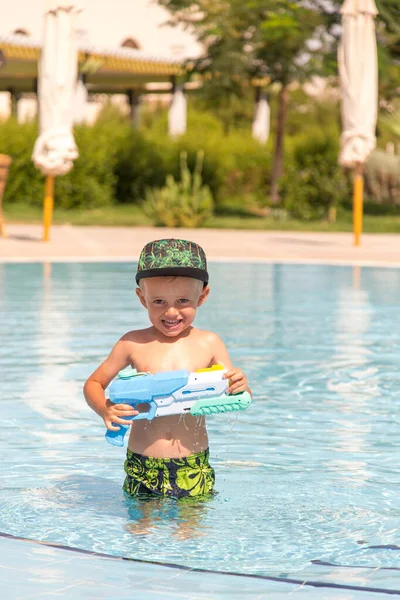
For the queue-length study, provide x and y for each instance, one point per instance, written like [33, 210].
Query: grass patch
[117, 216]
[131, 216]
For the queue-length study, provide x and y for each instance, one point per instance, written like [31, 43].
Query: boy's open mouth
[171, 323]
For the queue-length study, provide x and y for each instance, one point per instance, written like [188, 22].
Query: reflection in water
[357, 383]
[47, 277]
[49, 391]
[185, 515]
[356, 277]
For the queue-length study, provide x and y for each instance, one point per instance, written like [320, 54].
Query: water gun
[173, 393]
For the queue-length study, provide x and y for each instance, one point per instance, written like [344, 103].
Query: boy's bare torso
[177, 435]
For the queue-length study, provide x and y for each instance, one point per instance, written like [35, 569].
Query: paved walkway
[107, 243]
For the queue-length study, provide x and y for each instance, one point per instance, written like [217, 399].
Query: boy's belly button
[168, 435]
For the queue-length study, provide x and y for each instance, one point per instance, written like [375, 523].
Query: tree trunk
[277, 167]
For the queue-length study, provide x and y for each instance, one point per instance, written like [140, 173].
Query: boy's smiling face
[172, 302]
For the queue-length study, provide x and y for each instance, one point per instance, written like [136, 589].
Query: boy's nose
[171, 311]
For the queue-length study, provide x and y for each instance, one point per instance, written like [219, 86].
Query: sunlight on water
[309, 472]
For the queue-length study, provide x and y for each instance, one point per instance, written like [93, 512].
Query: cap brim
[199, 274]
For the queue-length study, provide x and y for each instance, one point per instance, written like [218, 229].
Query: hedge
[117, 164]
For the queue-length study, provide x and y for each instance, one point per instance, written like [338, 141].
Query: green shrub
[184, 203]
[382, 178]
[118, 164]
[25, 183]
[149, 155]
[91, 182]
[314, 183]
[249, 172]
[234, 165]
[314, 113]
[140, 163]
[199, 121]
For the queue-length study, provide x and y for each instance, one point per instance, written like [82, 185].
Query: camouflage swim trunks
[189, 476]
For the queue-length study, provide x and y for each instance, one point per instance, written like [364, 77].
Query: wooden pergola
[103, 71]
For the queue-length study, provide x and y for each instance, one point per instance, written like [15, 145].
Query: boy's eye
[158, 301]
[183, 300]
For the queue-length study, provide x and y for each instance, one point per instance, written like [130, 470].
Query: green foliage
[389, 16]
[390, 122]
[382, 171]
[141, 162]
[277, 40]
[253, 39]
[25, 183]
[92, 180]
[118, 163]
[382, 178]
[234, 165]
[147, 157]
[314, 182]
[282, 31]
[184, 203]
[305, 111]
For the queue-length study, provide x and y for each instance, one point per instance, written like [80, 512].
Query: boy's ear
[141, 297]
[203, 296]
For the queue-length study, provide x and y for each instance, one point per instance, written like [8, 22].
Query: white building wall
[109, 22]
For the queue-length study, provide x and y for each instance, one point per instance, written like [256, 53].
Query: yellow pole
[358, 194]
[48, 207]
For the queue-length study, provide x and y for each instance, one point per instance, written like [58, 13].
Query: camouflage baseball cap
[172, 257]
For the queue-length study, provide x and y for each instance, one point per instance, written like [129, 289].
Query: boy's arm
[96, 384]
[237, 379]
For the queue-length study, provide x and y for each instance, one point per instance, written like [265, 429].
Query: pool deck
[124, 243]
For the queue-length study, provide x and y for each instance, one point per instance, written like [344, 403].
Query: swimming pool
[307, 478]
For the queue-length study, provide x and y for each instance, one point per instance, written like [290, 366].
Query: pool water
[308, 475]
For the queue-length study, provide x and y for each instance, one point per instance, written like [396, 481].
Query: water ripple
[308, 473]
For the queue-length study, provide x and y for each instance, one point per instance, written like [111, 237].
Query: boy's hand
[114, 414]
[237, 381]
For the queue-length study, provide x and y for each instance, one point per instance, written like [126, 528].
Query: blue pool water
[308, 474]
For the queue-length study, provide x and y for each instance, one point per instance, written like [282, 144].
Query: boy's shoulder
[209, 337]
[138, 335]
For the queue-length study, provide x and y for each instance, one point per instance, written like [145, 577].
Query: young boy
[168, 455]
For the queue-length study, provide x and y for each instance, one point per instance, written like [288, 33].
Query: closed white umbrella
[261, 123]
[177, 113]
[358, 71]
[55, 149]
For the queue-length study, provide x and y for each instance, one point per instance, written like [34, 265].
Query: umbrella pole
[358, 193]
[48, 207]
